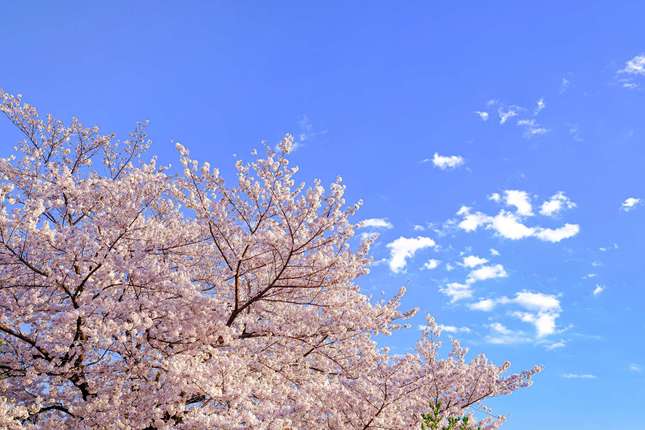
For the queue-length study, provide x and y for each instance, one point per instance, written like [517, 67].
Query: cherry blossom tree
[132, 297]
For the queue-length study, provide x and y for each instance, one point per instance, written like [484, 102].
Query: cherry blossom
[135, 298]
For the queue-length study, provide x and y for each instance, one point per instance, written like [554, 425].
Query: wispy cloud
[483, 115]
[578, 376]
[556, 345]
[375, 223]
[564, 85]
[633, 70]
[614, 246]
[598, 290]
[507, 113]
[526, 118]
[539, 106]
[635, 368]
[404, 248]
[499, 334]
[531, 127]
[574, 132]
[306, 131]
[371, 236]
[454, 329]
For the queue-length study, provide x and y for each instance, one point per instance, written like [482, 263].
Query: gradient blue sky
[371, 94]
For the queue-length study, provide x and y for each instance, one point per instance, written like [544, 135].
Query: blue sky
[372, 94]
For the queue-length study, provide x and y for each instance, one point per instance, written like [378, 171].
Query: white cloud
[431, 264]
[444, 162]
[636, 368]
[500, 328]
[485, 305]
[418, 227]
[486, 272]
[482, 115]
[457, 291]
[496, 197]
[599, 289]
[564, 85]
[545, 310]
[494, 252]
[510, 225]
[504, 223]
[635, 66]
[520, 200]
[544, 322]
[460, 291]
[630, 203]
[539, 309]
[556, 203]
[375, 223]
[567, 231]
[473, 261]
[578, 376]
[471, 221]
[539, 302]
[405, 247]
